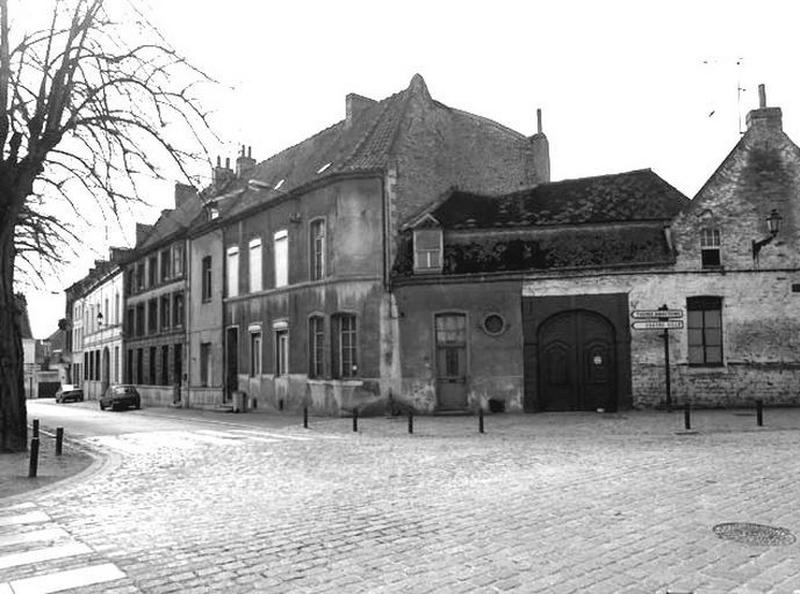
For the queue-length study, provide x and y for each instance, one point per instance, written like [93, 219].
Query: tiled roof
[172, 222]
[633, 196]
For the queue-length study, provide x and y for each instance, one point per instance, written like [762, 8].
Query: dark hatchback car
[69, 393]
[120, 397]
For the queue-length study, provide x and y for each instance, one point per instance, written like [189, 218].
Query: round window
[494, 324]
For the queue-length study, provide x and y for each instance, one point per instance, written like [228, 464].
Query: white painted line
[29, 518]
[34, 536]
[64, 580]
[275, 435]
[37, 555]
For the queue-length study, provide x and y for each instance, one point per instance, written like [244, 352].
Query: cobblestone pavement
[539, 503]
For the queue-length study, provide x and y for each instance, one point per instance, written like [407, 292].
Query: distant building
[28, 347]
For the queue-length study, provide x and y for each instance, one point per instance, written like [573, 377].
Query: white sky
[622, 85]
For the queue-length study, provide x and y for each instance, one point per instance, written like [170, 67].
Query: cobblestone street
[539, 503]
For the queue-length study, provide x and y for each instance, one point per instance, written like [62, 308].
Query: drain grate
[754, 534]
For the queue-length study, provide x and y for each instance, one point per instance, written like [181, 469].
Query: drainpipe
[188, 305]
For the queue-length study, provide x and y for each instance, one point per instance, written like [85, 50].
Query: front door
[231, 362]
[451, 361]
[576, 362]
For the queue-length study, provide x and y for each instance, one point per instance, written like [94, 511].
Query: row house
[155, 282]
[291, 267]
[527, 300]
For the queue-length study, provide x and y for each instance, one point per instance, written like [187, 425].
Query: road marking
[28, 518]
[35, 536]
[274, 435]
[37, 555]
[64, 580]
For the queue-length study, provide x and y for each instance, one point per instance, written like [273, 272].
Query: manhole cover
[754, 534]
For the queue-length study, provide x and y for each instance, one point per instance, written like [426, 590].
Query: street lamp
[773, 226]
[99, 319]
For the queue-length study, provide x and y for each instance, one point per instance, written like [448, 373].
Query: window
[152, 271]
[165, 365]
[177, 259]
[316, 337]
[165, 312]
[428, 250]
[317, 249]
[106, 319]
[152, 316]
[344, 362]
[281, 352]
[130, 322]
[709, 248]
[140, 276]
[129, 368]
[140, 319]
[177, 377]
[206, 278]
[139, 366]
[281, 258]
[165, 262]
[151, 377]
[233, 271]
[116, 308]
[255, 353]
[205, 364]
[128, 281]
[86, 365]
[704, 324]
[116, 364]
[177, 310]
[255, 265]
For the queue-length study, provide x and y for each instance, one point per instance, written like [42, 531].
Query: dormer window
[428, 248]
[709, 248]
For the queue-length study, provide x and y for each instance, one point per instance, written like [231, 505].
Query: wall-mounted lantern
[773, 226]
[99, 319]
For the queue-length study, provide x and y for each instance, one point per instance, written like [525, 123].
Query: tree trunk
[13, 413]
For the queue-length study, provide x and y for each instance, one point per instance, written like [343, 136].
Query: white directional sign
[657, 325]
[656, 313]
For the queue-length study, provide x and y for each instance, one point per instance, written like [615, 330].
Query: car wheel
[137, 406]
[102, 406]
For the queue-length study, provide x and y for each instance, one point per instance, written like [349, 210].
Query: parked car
[69, 393]
[121, 396]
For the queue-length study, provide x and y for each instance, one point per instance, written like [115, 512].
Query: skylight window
[279, 184]
[324, 167]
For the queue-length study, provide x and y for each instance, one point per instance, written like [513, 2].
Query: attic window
[709, 248]
[279, 184]
[428, 249]
[324, 167]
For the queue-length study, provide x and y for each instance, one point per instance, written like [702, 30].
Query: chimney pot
[227, 162]
[249, 152]
[219, 162]
[539, 120]
[762, 96]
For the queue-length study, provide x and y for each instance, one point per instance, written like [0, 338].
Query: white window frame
[422, 257]
[232, 263]
[256, 351]
[255, 264]
[315, 224]
[281, 245]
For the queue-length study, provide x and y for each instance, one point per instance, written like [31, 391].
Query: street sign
[656, 313]
[657, 325]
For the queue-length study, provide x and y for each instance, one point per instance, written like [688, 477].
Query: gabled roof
[638, 195]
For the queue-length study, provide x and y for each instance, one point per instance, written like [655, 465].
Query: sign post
[664, 319]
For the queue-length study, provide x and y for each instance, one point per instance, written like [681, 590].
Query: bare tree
[93, 102]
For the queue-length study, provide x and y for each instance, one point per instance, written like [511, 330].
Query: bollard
[305, 417]
[355, 420]
[480, 420]
[59, 440]
[687, 421]
[411, 422]
[280, 404]
[36, 428]
[34, 462]
[760, 413]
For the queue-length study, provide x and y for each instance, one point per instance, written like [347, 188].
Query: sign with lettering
[657, 325]
[656, 313]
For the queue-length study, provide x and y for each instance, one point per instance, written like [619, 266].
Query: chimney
[541, 153]
[355, 105]
[142, 231]
[116, 254]
[183, 192]
[220, 174]
[245, 163]
[765, 118]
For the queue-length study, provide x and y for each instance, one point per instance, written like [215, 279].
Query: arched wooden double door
[577, 369]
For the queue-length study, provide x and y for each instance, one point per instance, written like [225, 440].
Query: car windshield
[67, 387]
[125, 390]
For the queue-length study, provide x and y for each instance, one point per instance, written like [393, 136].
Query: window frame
[703, 304]
[232, 271]
[281, 351]
[256, 352]
[255, 273]
[710, 247]
[428, 267]
[344, 367]
[316, 346]
[317, 245]
[281, 273]
[206, 279]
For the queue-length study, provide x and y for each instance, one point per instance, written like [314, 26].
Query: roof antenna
[739, 91]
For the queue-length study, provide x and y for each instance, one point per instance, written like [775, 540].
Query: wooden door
[577, 369]
[231, 362]
[451, 361]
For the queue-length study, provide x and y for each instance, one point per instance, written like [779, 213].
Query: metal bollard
[36, 428]
[305, 417]
[355, 420]
[411, 422]
[280, 404]
[59, 440]
[687, 420]
[760, 413]
[34, 462]
[480, 420]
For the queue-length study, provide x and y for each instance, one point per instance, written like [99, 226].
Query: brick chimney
[765, 118]
[183, 192]
[220, 174]
[541, 152]
[142, 231]
[355, 105]
[245, 164]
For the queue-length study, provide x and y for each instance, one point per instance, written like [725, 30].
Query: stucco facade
[101, 357]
